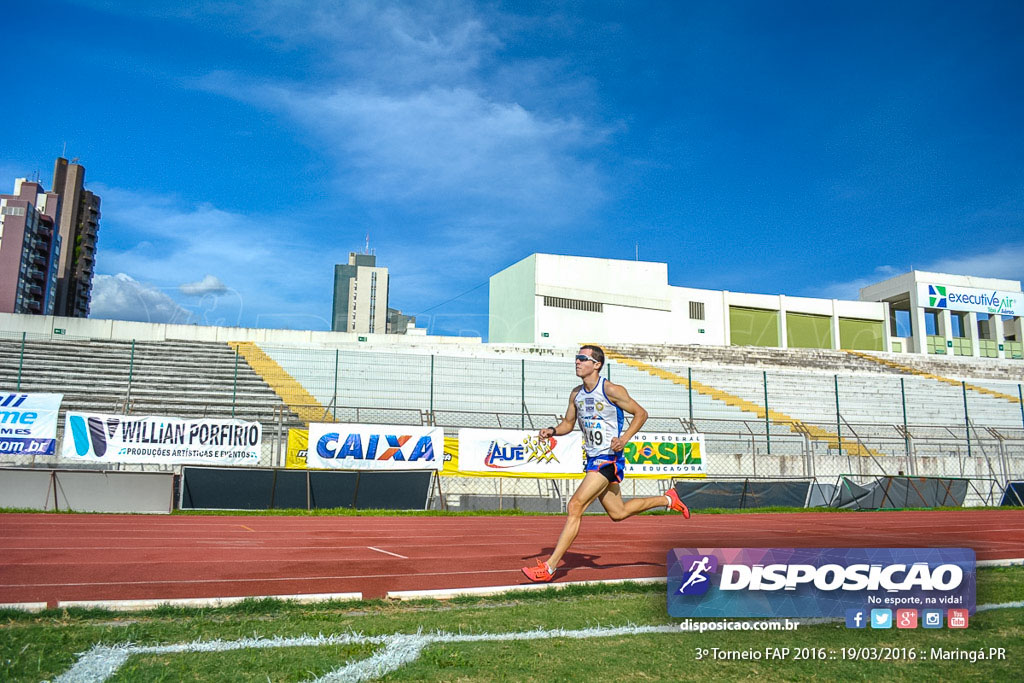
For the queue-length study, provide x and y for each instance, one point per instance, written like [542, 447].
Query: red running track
[49, 558]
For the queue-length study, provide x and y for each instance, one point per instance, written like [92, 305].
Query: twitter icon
[881, 618]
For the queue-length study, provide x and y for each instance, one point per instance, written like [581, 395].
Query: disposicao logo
[90, 434]
[696, 579]
[816, 582]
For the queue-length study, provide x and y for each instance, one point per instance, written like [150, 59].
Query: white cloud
[850, 290]
[174, 246]
[121, 297]
[417, 109]
[449, 146]
[210, 284]
[1005, 262]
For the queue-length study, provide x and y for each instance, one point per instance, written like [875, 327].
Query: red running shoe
[539, 574]
[677, 505]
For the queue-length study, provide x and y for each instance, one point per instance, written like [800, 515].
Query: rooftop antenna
[64, 152]
[637, 251]
[367, 249]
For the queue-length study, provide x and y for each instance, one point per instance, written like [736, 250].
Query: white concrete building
[960, 315]
[566, 300]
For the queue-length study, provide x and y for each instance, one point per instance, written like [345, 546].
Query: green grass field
[43, 646]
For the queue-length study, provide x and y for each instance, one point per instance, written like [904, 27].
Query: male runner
[598, 406]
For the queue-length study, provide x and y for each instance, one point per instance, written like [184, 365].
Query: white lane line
[387, 553]
[139, 605]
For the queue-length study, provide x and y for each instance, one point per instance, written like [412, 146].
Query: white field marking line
[1008, 562]
[387, 553]
[139, 605]
[446, 593]
[271, 578]
[103, 661]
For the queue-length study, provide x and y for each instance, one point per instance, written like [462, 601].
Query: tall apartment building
[30, 249]
[78, 228]
[360, 295]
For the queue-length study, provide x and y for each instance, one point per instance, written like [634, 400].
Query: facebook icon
[855, 618]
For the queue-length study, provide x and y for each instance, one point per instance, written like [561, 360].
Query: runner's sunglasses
[581, 358]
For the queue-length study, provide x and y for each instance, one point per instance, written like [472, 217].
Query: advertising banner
[819, 582]
[374, 447]
[167, 440]
[515, 451]
[28, 423]
[298, 445]
[989, 301]
[668, 455]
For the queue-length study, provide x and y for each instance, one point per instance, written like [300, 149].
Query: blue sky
[241, 149]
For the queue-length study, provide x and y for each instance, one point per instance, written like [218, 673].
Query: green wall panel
[805, 331]
[861, 335]
[753, 327]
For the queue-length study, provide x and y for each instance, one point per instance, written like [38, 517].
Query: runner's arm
[620, 397]
[568, 422]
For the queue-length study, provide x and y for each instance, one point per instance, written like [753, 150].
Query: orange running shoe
[677, 505]
[539, 574]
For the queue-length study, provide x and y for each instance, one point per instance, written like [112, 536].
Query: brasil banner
[666, 455]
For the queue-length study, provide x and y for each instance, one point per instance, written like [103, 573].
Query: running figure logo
[695, 580]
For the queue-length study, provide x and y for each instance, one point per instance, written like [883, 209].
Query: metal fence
[765, 423]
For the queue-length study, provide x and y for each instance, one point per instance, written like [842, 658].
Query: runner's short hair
[596, 352]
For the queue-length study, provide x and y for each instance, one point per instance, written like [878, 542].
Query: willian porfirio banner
[374, 447]
[150, 439]
[515, 451]
[818, 582]
[28, 423]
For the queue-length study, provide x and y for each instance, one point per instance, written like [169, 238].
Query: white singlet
[599, 419]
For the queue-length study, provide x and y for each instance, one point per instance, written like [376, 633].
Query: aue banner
[817, 582]
[374, 447]
[516, 451]
[126, 438]
[28, 423]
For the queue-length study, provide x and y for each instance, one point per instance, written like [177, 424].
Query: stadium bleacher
[519, 386]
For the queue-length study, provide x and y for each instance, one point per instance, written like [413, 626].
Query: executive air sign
[993, 302]
[817, 582]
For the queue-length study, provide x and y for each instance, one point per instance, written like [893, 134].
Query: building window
[574, 304]
[13, 211]
[696, 310]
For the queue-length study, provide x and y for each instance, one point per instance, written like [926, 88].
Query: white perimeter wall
[90, 328]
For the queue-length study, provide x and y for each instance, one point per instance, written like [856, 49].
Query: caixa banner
[375, 447]
[816, 582]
